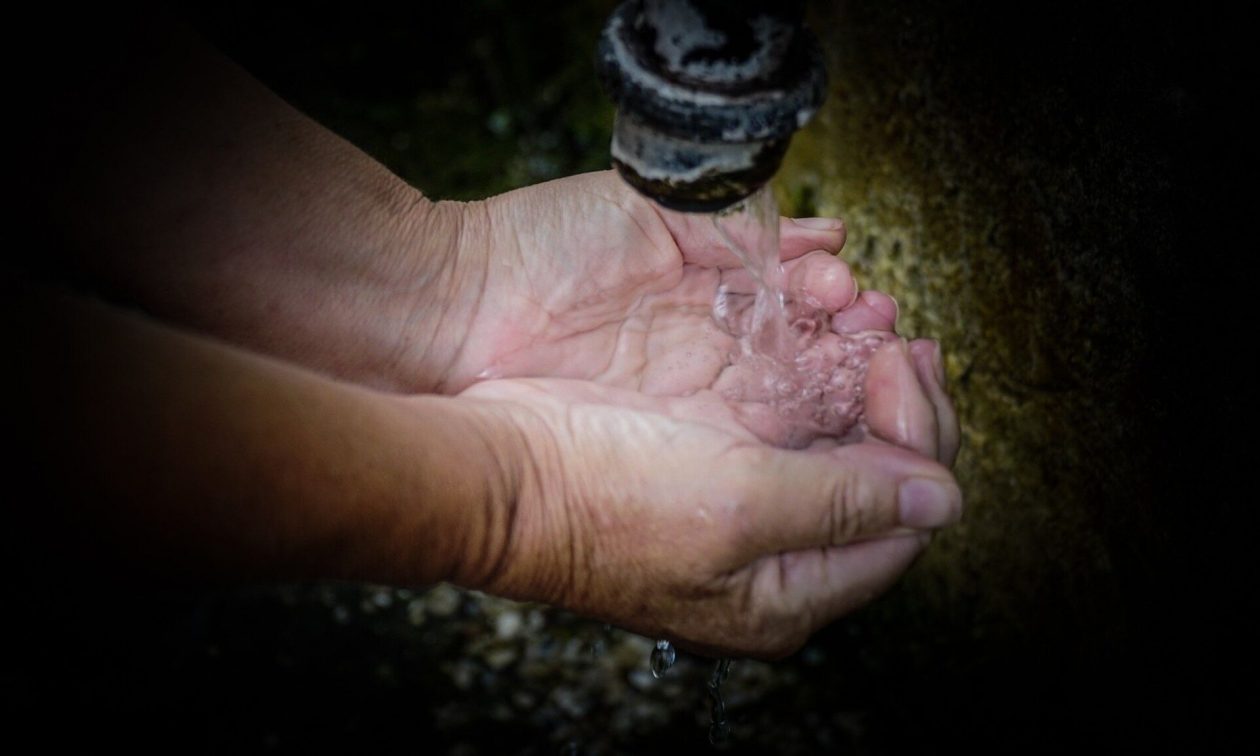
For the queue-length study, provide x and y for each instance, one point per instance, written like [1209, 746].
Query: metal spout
[708, 94]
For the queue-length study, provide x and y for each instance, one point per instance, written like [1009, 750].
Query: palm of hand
[587, 282]
[591, 282]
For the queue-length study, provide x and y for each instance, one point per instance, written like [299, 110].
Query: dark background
[1059, 192]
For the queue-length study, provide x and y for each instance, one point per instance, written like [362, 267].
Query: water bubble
[663, 657]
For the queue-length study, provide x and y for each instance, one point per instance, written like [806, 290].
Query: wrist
[435, 282]
[454, 507]
[526, 548]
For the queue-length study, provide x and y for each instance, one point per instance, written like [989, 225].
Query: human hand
[666, 516]
[652, 496]
[583, 278]
[638, 493]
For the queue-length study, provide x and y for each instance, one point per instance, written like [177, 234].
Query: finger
[824, 584]
[931, 373]
[897, 408]
[871, 311]
[701, 243]
[798, 236]
[819, 279]
[801, 500]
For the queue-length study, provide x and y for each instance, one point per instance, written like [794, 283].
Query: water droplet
[663, 657]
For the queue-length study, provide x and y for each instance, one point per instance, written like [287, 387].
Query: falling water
[750, 230]
[719, 729]
[788, 358]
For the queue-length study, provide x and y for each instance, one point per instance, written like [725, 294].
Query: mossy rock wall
[1025, 181]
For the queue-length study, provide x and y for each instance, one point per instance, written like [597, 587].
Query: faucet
[708, 95]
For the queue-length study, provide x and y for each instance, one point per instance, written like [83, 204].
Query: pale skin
[334, 377]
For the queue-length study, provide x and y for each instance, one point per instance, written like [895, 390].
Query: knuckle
[849, 508]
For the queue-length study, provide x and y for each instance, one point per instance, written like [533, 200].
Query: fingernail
[819, 224]
[926, 503]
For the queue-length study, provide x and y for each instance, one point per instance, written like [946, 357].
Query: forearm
[182, 186]
[154, 450]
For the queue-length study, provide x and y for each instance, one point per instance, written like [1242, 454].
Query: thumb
[809, 499]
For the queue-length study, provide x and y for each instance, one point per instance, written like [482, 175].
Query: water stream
[806, 378]
[795, 377]
[750, 230]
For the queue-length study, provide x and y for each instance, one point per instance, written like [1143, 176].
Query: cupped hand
[666, 516]
[584, 278]
[653, 495]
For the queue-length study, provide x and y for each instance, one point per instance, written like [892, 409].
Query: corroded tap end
[708, 94]
[691, 175]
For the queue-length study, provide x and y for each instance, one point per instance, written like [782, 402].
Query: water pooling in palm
[798, 380]
[801, 375]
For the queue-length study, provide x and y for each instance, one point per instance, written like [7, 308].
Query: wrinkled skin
[650, 500]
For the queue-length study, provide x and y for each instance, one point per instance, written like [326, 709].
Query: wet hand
[653, 496]
[584, 278]
[666, 516]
